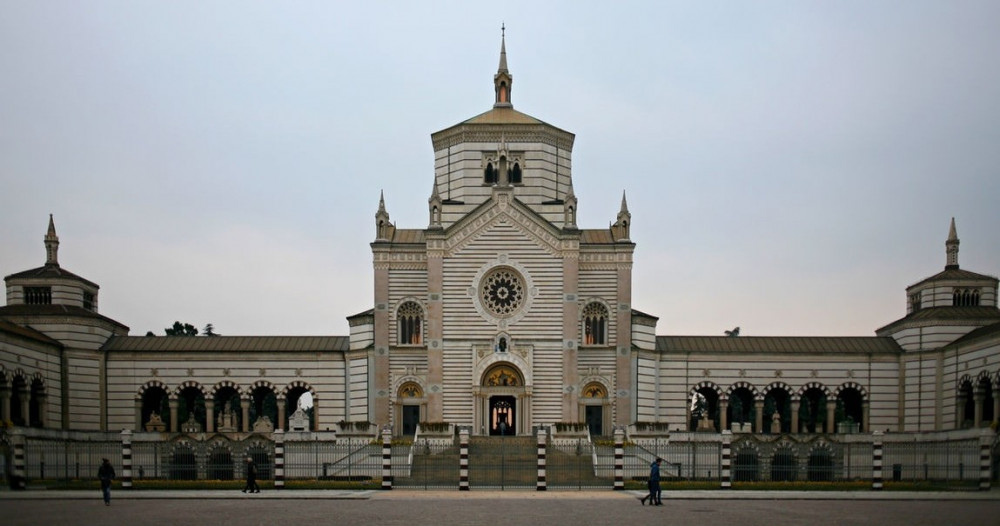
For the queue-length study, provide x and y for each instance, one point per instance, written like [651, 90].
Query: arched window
[595, 324]
[515, 174]
[490, 174]
[410, 324]
[965, 298]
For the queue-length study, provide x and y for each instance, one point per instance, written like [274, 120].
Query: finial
[624, 203]
[951, 247]
[51, 244]
[503, 79]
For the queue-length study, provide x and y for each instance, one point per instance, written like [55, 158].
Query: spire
[620, 230]
[383, 228]
[569, 208]
[503, 80]
[51, 244]
[951, 247]
[434, 207]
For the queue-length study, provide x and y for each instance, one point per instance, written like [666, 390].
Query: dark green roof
[227, 344]
[777, 344]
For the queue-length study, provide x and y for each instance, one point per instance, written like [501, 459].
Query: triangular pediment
[503, 207]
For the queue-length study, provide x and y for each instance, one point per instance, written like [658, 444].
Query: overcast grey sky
[790, 166]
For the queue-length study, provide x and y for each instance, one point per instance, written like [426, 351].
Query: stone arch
[409, 326]
[497, 376]
[183, 460]
[814, 385]
[595, 389]
[405, 379]
[784, 462]
[260, 383]
[152, 383]
[707, 385]
[746, 461]
[820, 462]
[190, 383]
[744, 385]
[595, 321]
[851, 385]
[510, 358]
[223, 384]
[776, 385]
[298, 384]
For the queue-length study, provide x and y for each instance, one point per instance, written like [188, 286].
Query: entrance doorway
[595, 420]
[502, 420]
[411, 417]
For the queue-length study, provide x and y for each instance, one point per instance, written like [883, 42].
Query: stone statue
[155, 423]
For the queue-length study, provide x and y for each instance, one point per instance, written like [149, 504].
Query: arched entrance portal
[501, 404]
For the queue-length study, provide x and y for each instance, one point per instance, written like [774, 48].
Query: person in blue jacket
[654, 484]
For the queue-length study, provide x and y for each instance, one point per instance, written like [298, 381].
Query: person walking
[251, 485]
[106, 473]
[654, 485]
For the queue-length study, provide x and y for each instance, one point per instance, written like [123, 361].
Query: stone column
[830, 406]
[434, 327]
[877, 461]
[977, 414]
[43, 408]
[865, 425]
[138, 414]
[571, 339]
[380, 358]
[727, 474]
[758, 409]
[26, 406]
[315, 422]
[625, 395]
[280, 424]
[996, 407]
[619, 459]
[796, 405]
[210, 415]
[4, 403]
[959, 410]
[723, 417]
[245, 410]
[172, 402]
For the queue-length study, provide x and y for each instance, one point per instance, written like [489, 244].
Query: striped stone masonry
[279, 459]
[126, 458]
[19, 467]
[727, 450]
[619, 459]
[985, 460]
[541, 484]
[877, 461]
[387, 459]
[463, 459]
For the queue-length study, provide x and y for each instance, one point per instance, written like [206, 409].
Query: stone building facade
[500, 315]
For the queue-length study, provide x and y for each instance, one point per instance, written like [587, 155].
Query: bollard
[877, 461]
[126, 459]
[386, 459]
[727, 449]
[463, 459]
[279, 459]
[541, 484]
[619, 459]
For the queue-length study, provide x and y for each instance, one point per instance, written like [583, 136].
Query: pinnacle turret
[51, 244]
[503, 80]
[951, 247]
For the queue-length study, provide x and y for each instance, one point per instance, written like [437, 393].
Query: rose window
[502, 292]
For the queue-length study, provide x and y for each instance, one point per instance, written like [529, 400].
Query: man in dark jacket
[654, 484]
[251, 485]
[106, 473]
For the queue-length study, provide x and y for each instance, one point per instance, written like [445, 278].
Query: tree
[209, 330]
[181, 330]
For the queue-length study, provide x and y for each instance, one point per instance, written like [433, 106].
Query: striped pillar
[619, 459]
[727, 450]
[386, 459]
[126, 458]
[541, 485]
[279, 459]
[985, 440]
[19, 471]
[463, 459]
[877, 461]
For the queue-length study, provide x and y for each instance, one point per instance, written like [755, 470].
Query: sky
[791, 167]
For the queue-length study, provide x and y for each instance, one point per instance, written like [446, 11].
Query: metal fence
[425, 464]
[69, 459]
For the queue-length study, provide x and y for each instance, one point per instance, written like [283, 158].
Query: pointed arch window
[515, 174]
[490, 174]
[595, 324]
[410, 319]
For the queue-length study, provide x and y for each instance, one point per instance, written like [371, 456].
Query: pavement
[407, 494]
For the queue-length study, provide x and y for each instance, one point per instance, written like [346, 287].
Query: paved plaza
[554, 508]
